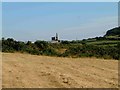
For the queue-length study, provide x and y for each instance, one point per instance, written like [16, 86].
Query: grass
[103, 42]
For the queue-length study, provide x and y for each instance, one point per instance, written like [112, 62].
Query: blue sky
[39, 21]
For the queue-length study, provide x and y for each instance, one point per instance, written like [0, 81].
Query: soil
[33, 71]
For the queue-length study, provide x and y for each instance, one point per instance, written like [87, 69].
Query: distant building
[55, 39]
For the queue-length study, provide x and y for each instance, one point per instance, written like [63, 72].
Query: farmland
[33, 71]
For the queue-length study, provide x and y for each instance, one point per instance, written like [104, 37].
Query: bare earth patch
[32, 71]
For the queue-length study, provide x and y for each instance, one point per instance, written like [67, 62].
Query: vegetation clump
[71, 50]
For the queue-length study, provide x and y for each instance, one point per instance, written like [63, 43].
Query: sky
[71, 20]
[0, 20]
[60, 0]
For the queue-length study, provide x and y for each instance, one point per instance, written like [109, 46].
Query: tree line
[72, 49]
[113, 32]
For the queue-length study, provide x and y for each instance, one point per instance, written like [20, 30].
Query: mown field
[36, 71]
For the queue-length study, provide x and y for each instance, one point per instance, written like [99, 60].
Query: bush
[50, 52]
[41, 44]
[72, 50]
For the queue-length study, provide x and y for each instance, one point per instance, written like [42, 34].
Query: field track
[32, 71]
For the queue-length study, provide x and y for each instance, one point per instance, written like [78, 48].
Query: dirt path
[24, 70]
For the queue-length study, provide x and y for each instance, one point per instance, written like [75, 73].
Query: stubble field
[32, 71]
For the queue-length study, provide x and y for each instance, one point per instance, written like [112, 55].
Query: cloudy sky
[71, 20]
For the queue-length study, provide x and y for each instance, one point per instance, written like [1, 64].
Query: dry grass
[24, 70]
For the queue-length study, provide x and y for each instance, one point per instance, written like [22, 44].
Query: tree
[41, 44]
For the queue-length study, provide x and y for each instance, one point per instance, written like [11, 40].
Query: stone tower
[56, 37]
